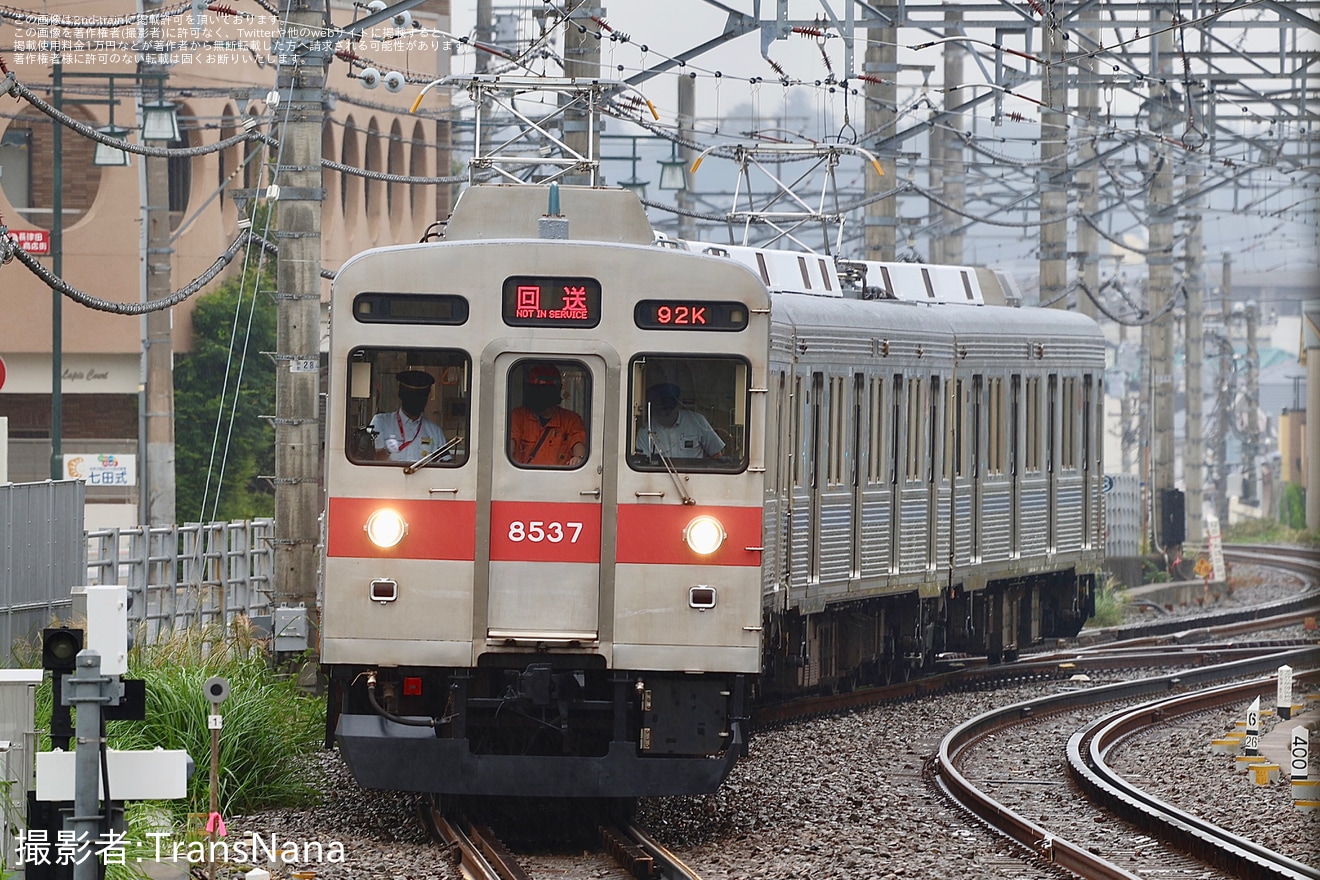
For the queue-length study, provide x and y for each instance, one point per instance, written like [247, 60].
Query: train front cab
[546, 629]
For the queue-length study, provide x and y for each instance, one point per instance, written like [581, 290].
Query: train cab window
[688, 413]
[406, 405]
[549, 408]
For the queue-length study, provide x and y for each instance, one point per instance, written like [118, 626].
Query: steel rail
[1036, 838]
[1089, 746]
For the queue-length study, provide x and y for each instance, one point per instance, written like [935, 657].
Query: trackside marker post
[1298, 748]
[1283, 693]
[1251, 745]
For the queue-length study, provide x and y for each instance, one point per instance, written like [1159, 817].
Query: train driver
[541, 432]
[674, 431]
[406, 434]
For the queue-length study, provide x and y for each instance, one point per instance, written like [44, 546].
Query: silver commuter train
[858, 486]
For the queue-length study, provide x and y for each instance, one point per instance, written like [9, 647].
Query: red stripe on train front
[437, 529]
[652, 534]
[544, 531]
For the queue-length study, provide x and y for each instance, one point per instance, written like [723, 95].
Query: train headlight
[386, 528]
[704, 535]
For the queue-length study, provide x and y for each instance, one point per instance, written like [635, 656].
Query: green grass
[1262, 531]
[1108, 607]
[270, 724]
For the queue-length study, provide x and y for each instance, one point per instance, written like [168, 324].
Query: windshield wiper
[432, 456]
[666, 461]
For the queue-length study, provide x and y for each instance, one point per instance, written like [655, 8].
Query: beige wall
[102, 249]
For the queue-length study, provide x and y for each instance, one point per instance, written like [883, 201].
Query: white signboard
[1251, 744]
[1216, 545]
[1283, 692]
[1299, 744]
[102, 468]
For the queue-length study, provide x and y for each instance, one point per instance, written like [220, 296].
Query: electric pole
[300, 81]
[1159, 207]
[582, 62]
[1053, 180]
[881, 66]
[158, 325]
[1193, 277]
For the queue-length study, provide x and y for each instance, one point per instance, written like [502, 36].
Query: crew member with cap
[405, 434]
[541, 432]
[674, 431]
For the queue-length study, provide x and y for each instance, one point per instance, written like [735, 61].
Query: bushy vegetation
[225, 378]
[1109, 601]
[1263, 531]
[270, 724]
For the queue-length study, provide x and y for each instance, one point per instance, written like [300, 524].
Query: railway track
[1088, 750]
[480, 855]
[1046, 842]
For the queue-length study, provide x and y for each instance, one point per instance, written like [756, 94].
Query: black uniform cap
[415, 380]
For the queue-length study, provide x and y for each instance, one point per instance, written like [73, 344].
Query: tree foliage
[221, 391]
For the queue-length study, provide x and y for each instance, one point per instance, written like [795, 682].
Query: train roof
[963, 321]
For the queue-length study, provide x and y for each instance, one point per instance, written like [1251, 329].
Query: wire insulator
[604, 25]
[1036, 6]
[347, 55]
[776, 66]
[866, 77]
[221, 9]
[817, 33]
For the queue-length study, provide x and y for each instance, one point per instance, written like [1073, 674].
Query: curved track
[1038, 838]
[1087, 752]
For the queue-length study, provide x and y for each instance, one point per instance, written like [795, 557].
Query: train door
[814, 474]
[977, 462]
[1014, 450]
[543, 508]
[1088, 472]
[858, 414]
[1052, 460]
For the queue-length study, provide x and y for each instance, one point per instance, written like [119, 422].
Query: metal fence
[177, 576]
[42, 555]
[184, 576]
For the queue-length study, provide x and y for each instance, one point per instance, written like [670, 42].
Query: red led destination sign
[551, 302]
[662, 314]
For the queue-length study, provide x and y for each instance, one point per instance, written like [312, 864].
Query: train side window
[405, 404]
[549, 413]
[1032, 453]
[996, 425]
[916, 424]
[689, 413]
[876, 459]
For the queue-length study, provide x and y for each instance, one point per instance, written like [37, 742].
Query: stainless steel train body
[890, 481]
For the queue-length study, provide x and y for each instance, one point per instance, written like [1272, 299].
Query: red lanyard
[398, 418]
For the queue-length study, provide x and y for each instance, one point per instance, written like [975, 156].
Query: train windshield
[689, 413]
[406, 405]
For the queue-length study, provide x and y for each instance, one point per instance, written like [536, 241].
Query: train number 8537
[537, 531]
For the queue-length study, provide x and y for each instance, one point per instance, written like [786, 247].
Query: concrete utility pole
[300, 79]
[947, 244]
[1251, 430]
[1194, 278]
[1224, 396]
[881, 220]
[582, 61]
[158, 326]
[1053, 181]
[1159, 204]
[687, 121]
[1311, 354]
[1088, 177]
